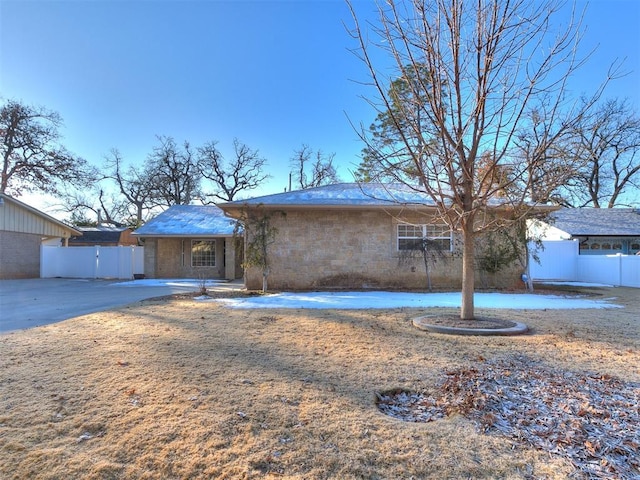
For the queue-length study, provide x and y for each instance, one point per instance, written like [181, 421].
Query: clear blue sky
[273, 73]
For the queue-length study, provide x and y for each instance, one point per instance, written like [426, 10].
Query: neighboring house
[353, 236]
[105, 236]
[599, 231]
[190, 241]
[23, 230]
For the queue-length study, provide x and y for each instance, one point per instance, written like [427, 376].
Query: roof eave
[230, 209]
[233, 209]
[182, 235]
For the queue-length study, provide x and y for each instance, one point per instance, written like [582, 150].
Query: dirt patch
[176, 388]
[346, 281]
[454, 321]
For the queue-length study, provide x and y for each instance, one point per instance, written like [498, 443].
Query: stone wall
[171, 258]
[150, 249]
[356, 249]
[19, 255]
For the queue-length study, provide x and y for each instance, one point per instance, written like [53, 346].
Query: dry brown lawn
[178, 389]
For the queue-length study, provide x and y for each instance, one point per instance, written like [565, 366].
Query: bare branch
[244, 172]
[468, 77]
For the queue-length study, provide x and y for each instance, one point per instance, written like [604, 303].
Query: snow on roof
[103, 228]
[188, 220]
[348, 195]
[598, 221]
[342, 194]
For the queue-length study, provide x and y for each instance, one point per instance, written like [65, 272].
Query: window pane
[438, 231]
[409, 244]
[203, 253]
[410, 231]
[443, 244]
[410, 237]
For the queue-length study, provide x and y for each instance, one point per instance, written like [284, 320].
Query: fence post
[96, 270]
[132, 261]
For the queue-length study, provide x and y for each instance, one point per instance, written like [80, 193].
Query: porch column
[229, 258]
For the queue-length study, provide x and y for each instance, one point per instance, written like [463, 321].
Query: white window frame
[430, 231]
[210, 254]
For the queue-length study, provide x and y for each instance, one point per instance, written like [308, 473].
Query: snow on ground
[169, 282]
[359, 300]
[380, 299]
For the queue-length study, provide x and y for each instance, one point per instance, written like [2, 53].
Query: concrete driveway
[34, 302]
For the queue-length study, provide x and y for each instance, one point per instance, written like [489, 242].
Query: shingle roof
[94, 235]
[598, 221]
[188, 220]
[349, 195]
[342, 194]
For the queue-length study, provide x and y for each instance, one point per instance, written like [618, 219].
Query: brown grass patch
[175, 388]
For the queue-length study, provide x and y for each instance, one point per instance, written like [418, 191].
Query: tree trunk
[265, 275]
[468, 274]
[425, 258]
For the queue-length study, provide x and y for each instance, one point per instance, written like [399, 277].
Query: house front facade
[357, 236]
[190, 241]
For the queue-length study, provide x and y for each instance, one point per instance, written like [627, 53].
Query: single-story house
[23, 230]
[354, 235]
[600, 231]
[191, 241]
[105, 236]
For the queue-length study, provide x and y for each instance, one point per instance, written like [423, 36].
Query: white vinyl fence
[560, 261]
[91, 262]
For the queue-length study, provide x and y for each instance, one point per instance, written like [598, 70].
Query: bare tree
[259, 234]
[123, 196]
[243, 172]
[105, 208]
[541, 145]
[483, 66]
[313, 169]
[32, 157]
[429, 250]
[134, 185]
[173, 173]
[606, 147]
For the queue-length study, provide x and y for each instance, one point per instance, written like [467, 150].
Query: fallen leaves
[593, 420]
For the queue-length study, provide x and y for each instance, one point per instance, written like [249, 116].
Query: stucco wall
[355, 249]
[19, 255]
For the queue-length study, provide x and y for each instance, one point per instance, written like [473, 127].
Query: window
[203, 253]
[410, 236]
